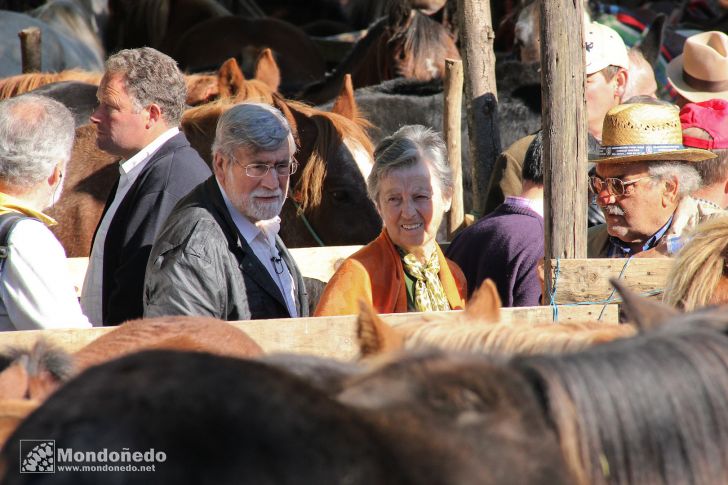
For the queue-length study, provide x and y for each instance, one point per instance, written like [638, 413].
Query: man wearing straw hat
[644, 174]
[700, 73]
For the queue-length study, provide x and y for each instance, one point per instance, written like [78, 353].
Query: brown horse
[335, 155]
[201, 88]
[89, 177]
[211, 42]
[406, 43]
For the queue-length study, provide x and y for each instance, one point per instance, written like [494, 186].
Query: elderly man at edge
[643, 180]
[403, 269]
[219, 253]
[141, 100]
[36, 291]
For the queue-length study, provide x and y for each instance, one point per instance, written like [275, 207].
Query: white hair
[687, 176]
[406, 147]
[252, 126]
[36, 133]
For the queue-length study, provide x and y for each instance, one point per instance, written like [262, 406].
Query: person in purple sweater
[507, 245]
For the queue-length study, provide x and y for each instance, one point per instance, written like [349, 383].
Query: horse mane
[699, 267]
[651, 409]
[34, 373]
[75, 19]
[507, 339]
[332, 129]
[423, 38]
[22, 83]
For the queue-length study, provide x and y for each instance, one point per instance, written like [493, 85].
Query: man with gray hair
[36, 290]
[141, 100]
[219, 253]
[644, 175]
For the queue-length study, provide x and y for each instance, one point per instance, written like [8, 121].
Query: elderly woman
[403, 269]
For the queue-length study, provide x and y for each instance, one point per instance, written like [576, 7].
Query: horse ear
[652, 39]
[230, 78]
[485, 304]
[345, 103]
[375, 336]
[267, 71]
[644, 314]
[14, 380]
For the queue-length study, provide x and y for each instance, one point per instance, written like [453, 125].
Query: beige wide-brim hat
[700, 73]
[644, 132]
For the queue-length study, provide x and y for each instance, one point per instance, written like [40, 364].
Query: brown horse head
[187, 333]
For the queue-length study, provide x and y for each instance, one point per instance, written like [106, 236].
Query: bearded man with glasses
[643, 181]
[219, 253]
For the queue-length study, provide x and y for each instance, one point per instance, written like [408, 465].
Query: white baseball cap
[604, 47]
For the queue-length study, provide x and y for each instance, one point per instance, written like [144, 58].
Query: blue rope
[605, 302]
[552, 296]
[611, 295]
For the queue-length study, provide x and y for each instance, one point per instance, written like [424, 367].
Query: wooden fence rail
[587, 280]
[323, 336]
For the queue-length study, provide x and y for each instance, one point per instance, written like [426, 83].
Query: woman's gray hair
[406, 147]
[687, 176]
[151, 77]
[254, 127]
[36, 133]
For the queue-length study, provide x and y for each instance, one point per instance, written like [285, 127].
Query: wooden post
[476, 41]
[30, 53]
[451, 129]
[564, 132]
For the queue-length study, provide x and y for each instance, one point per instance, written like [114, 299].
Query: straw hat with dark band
[643, 132]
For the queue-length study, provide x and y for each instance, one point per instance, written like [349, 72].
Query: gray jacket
[201, 265]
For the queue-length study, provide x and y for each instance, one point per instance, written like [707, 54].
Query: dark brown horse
[211, 42]
[155, 23]
[406, 43]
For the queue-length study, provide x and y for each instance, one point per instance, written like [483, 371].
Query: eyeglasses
[613, 185]
[259, 170]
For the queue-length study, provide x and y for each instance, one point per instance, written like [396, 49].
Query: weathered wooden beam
[453, 94]
[476, 48]
[30, 49]
[587, 280]
[564, 131]
[324, 336]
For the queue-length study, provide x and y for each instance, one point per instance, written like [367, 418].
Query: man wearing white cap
[700, 73]
[607, 64]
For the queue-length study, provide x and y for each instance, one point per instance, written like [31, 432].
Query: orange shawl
[375, 274]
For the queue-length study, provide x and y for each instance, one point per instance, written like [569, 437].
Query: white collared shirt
[264, 248]
[36, 289]
[129, 170]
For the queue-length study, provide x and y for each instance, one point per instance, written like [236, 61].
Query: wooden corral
[587, 280]
[323, 336]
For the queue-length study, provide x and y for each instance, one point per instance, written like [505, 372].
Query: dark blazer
[201, 265]
[174, 170]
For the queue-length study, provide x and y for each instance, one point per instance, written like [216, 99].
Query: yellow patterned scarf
[429, 293]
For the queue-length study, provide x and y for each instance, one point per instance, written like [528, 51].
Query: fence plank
[587, 280]
[324, 336]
